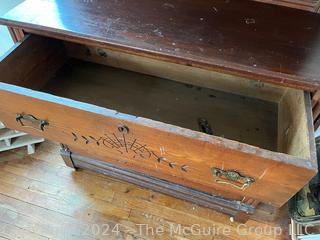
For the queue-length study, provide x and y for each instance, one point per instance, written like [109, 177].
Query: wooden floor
[41, 198]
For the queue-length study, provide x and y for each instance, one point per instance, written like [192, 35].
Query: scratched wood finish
[169, 102]
[162, 150]
[41, 198]
[240, 211]
[230, 207]
[291, 116]
[243, 38]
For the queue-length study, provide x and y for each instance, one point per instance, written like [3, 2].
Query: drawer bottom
[238, 211]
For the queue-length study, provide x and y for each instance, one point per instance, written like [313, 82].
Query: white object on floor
[12, 139]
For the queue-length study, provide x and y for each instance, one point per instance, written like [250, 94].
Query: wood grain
[41, 198]
[295, 124]
[180, 73]
[32, 62]
[244, 38]
[162, 150]
[171, 102]
[230, 207]
[271, 170]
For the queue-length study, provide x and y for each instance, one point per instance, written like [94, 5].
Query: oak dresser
[208, 101]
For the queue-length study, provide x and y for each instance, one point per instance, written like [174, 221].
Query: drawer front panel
[190, 158]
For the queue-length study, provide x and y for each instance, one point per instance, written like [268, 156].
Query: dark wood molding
[236, 209]
[244, 38]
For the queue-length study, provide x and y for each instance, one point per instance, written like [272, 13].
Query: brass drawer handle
[232, 178]
[36, 123]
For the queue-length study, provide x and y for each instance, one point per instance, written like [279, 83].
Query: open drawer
[212, 132]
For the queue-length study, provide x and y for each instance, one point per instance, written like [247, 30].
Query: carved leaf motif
[184, 168]
[130, 146]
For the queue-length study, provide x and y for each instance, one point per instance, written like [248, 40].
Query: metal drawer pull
[36, 123]
[232, 178]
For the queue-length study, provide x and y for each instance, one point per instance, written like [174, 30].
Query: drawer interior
[229, 115]
[267, 116]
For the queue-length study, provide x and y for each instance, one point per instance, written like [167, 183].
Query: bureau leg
[66, 155]
[243, 217]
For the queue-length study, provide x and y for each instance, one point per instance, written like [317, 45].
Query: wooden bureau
[208, 101]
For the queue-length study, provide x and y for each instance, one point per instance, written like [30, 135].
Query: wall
[5, 38]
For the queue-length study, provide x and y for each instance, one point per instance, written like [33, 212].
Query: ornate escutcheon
[231, 178]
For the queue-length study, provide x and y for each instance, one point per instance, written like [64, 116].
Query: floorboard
[41, 198]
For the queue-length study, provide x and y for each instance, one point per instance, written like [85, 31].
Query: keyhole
[123, 129]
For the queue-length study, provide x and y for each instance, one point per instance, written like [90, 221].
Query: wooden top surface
[245, 38]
